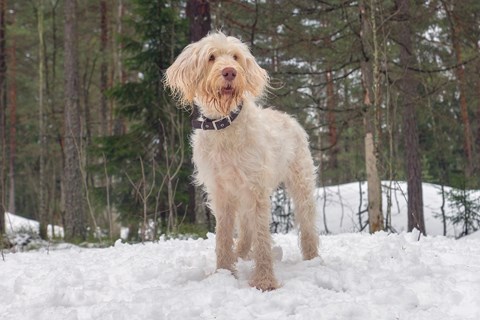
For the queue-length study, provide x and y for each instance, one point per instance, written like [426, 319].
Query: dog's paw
[265, 284]
[309, 251]
[310, 255]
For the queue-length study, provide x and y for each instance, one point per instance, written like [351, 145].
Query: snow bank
[338, 208]
[475, 235]
[361, 277]
[341, 205]
[17, 224]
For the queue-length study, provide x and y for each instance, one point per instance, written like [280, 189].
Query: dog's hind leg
[300, 184]
[245, 235]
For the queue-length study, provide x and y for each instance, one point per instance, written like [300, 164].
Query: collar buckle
[222, 123]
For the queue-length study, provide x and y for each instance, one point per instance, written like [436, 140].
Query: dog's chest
[232, 160]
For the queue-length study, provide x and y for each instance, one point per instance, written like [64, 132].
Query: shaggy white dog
[242, 152]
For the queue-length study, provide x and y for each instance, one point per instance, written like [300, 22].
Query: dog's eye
[235, 57]
[212, 58]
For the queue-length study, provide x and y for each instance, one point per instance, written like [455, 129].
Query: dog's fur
[241, 165]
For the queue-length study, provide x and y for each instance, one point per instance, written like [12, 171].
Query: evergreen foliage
[465, 211]
[312, 51]
[155, 134]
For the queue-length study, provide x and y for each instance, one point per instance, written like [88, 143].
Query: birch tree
[370, 82]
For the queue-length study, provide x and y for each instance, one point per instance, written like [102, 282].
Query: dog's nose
[229, 74]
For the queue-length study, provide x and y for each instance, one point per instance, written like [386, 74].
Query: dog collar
[218, 124]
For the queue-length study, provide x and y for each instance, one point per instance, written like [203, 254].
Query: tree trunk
[103, 67]
[75, 220]
[55, 207]
[13, 121]
[198, 13]
[407, 84]
[3, 107]
[460, 74]
[477, 139]
[369, 68]
[117, 125]
[374, 187]
[331, 119]
[42, 199]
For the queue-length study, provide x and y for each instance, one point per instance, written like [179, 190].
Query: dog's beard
[223, 97]
[224, 103]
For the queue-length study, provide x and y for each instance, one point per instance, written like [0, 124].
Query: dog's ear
[181, 76]
[257, 78]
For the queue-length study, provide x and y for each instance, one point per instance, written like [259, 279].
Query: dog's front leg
[263, 275]
[225, 219]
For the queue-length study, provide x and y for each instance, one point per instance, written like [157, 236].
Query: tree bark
[75, 220]
[42, 199]
[331, 102]
[56, 198]
[477, 139]
[13, 121]
[117, 124]
[103, 67]
[3, 107]
[407, 85]
[455, 31]
[331, 119]
[370, 101]
[198, 13]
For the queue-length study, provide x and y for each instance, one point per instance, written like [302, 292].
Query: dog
[242, 152]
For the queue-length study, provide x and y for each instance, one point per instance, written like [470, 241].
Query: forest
[91, 140]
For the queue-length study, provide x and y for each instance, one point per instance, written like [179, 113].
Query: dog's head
[217, 73]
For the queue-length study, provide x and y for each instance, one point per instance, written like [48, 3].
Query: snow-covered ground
[359, 276]
[362, 276]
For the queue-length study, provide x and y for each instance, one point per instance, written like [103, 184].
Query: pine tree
[75, 220]
[198, 14]
[13, 120]
[408, 84]
[43, 190]
[151, 154]
[3, 109]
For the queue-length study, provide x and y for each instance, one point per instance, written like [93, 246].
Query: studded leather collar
[217, 124]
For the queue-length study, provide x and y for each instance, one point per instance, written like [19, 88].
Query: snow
[16, 224]
[359, 276]
[342, 207]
